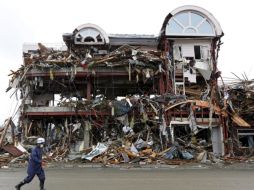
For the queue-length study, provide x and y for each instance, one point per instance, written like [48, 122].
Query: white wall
[188, 45]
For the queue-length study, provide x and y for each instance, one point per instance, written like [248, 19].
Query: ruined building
[131, 91]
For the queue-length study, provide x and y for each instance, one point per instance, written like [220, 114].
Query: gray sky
[45, 21]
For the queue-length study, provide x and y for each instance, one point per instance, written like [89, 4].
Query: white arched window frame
[190, 23]
[91, 34]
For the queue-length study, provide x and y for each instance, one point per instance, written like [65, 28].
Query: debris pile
[239, 103]
[10, 148]
[241, 99]
[127, 99]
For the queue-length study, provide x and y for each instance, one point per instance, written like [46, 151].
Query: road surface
[134, 179]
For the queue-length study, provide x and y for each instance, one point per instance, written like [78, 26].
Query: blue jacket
[34, 165]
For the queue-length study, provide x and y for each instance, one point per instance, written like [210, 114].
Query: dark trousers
[31, 174]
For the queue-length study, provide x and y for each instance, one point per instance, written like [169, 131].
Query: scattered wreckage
[142, 99]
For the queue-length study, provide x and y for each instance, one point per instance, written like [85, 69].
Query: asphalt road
[134, 179]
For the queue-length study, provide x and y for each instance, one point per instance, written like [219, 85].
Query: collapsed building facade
[128, 94]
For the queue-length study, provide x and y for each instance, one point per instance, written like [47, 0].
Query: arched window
[189, 23]
[90, 34]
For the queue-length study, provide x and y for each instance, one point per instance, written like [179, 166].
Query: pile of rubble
[144, 128]
[240, 97]
[140, 134]
[239, 103]
[48, 59]
[10, 149]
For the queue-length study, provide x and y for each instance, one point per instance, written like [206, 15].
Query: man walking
[35, 166]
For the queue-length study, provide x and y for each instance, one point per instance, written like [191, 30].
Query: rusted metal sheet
[12, 150]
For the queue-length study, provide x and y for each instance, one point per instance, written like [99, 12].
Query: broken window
[197, 51]
[89, 35]
[204, 52]
[245, 137]
[201, 52]
[177, 52]
[89, 39]
[99, 38]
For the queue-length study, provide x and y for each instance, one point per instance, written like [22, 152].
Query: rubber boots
[42, 185]
[19, 185]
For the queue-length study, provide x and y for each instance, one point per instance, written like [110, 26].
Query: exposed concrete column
[217, 141]
[87, 128]
[25, 127]
[88, 89]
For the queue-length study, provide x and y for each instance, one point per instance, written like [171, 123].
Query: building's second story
[181, 61]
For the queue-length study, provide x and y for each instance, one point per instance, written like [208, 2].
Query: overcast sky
[45, 21]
